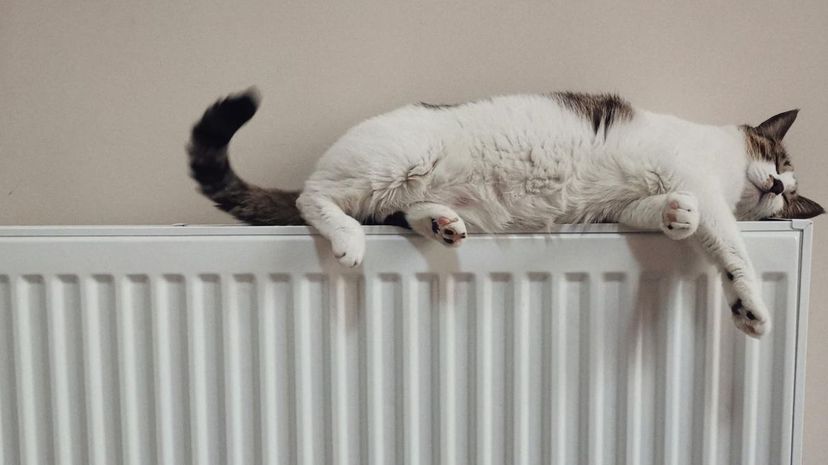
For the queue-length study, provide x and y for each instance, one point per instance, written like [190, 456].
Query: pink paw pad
[450, 230]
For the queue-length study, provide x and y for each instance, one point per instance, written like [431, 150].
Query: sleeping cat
[523, 163]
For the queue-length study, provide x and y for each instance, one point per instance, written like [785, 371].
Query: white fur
[523, 163]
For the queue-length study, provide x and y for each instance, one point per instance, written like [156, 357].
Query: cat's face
[771, 190]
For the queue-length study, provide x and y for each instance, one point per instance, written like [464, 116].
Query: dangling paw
[747, 307]
[680, 217]
[752, 319]
[348, 246]
[450, 231]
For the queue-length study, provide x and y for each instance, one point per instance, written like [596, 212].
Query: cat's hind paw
[438, 222]
[680, 217]
[449, 231]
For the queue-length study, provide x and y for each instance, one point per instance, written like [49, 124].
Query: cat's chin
[749, 203]
[757, 204]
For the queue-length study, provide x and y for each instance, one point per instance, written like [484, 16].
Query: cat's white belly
[516, 188]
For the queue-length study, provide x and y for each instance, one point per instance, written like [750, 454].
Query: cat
[523, 163]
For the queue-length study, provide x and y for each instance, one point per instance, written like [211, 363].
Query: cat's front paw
[751, 318]
[348, 246]
[747, 308]
[680, 216]
[449, 231]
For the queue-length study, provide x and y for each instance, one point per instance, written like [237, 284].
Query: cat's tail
[210, 166]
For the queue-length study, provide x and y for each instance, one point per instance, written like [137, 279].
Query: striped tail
[210, 167]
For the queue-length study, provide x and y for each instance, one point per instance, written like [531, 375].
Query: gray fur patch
[602, 110]
[258, 206]
[763, 148]
[760, 147]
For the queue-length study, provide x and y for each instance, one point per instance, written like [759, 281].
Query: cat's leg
[681, 215]
[436, 221]
[675, 213]
[719, 235]
[345, 233]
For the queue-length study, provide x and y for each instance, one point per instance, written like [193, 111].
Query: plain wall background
[97, 98]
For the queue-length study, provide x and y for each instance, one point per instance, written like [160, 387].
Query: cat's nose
[777, 187]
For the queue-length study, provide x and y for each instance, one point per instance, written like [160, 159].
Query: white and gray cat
[523, 163]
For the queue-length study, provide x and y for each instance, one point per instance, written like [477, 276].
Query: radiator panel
[592, 347]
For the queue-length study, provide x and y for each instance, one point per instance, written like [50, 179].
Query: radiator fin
[35, 412]
[103, 392]
[457, 391]
[241, 374]
[533, 300]
[348, 371]
[172, 370]
[135, 348]
[206, 390]
[67, 362]
[608, 304]
[276, 358]
[772, 440]
[493, 368]
[9, 437]
[420, 350]
[312, 360]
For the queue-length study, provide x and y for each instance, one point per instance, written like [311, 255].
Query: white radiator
[241, 345]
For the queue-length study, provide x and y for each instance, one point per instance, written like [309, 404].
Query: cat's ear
[801, 208]
[777, 126]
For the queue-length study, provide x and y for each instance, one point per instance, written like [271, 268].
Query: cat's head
[771, 190]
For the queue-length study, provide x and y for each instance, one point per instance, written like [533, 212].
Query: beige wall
[96, 98]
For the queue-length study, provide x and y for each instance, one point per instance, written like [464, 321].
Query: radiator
[251, 345]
